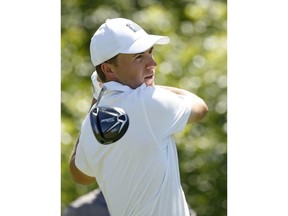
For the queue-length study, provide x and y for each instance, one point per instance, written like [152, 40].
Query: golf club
[109, 124]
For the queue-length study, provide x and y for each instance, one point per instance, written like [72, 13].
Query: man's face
[135, 69]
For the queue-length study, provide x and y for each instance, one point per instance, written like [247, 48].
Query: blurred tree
[196, 60]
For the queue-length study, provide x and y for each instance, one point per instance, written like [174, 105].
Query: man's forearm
[76, 174]
[173, 89]
[179, 91]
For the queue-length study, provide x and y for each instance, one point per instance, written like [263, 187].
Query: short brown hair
[99, 71]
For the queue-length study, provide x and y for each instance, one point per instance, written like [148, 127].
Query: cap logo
[133, 26]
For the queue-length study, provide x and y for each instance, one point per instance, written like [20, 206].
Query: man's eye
[138, 57]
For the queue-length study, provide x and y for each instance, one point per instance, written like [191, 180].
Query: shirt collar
[116, 86]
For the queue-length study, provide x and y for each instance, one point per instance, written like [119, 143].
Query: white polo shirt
[139, 174]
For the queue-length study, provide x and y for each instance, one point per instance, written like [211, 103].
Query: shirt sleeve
[81, 157]
[167, 112]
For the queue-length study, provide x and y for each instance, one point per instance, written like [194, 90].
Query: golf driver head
[109, 124]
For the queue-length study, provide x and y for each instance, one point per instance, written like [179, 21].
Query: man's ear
[108, 71]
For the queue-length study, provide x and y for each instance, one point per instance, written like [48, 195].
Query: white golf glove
[96, 85]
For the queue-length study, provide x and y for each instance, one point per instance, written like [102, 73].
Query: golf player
[139, 173]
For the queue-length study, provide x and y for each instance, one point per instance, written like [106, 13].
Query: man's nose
[151, 62]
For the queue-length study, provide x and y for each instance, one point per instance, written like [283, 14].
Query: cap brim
[144, 43]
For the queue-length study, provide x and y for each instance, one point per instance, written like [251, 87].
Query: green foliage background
[195, 59]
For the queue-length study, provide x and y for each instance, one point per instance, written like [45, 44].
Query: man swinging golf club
[126, 140]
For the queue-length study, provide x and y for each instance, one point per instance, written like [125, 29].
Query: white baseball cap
[121, 35]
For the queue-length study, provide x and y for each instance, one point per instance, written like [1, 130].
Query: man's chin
[149, 82]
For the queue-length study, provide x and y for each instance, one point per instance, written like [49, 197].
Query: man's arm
[76, 174]
[199, 107]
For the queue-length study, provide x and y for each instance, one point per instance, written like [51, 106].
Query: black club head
[109, 124]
